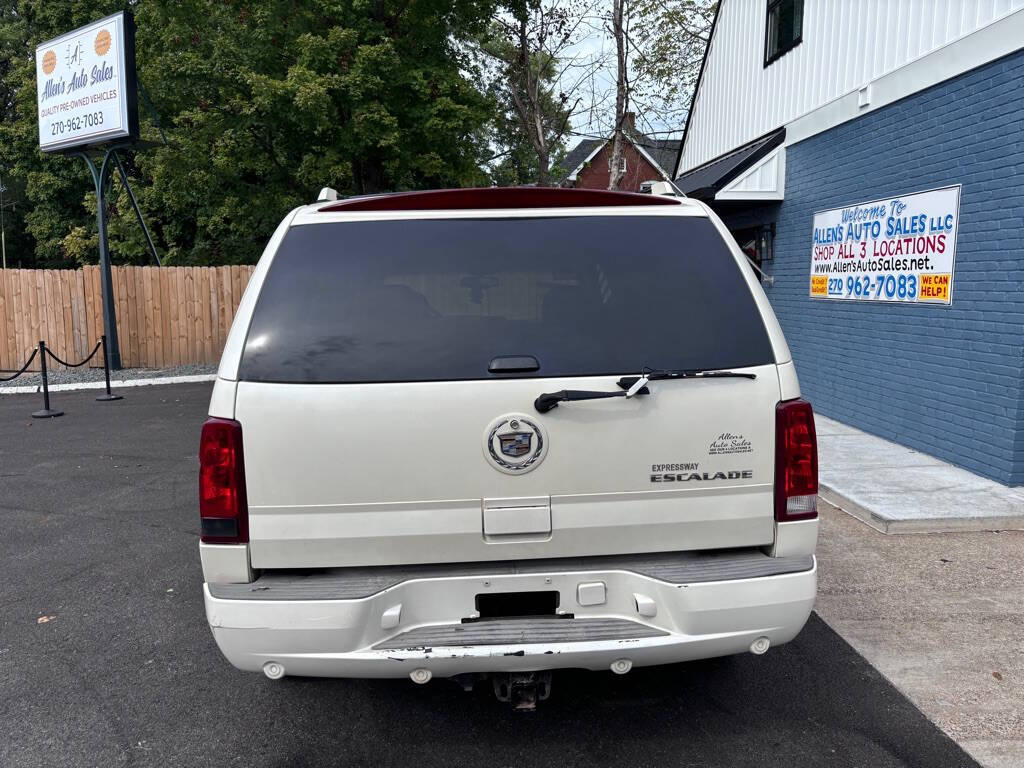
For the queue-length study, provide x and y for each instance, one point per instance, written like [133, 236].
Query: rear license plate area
[510, 605]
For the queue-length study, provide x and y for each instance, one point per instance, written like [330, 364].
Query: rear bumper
[417, 623]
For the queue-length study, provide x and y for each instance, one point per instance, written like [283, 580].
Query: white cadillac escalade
[500, 432]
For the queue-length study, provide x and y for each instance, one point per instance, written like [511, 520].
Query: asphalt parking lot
[106, 659]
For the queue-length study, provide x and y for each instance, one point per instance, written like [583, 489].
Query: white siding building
[872, 52]
[868, 155]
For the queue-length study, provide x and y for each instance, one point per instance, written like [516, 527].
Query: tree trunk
[621, 96]
[543, 170]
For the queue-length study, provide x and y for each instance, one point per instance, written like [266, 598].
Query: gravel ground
[79, 375]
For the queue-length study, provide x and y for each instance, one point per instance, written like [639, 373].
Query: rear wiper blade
[628, 382]
[549, 400]
[632, 386]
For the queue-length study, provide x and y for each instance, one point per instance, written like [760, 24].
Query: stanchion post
[106, 372]
[47, 412]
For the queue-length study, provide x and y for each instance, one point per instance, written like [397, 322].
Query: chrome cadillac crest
[514, 443]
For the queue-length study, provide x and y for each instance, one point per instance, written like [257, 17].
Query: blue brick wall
[948, 381]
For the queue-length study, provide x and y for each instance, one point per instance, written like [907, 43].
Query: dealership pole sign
[901, 249]
[85, 84]
[87, 100]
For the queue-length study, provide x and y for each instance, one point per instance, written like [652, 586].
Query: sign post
[3, 232]
[112, 348]
[87, 97]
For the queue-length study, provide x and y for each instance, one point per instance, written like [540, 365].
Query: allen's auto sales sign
[86, 85]
[901, 249]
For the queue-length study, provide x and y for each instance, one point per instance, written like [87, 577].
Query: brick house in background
[646, 159]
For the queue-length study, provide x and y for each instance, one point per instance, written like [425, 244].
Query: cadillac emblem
[514, 444]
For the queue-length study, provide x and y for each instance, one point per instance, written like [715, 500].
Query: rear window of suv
[438, 299]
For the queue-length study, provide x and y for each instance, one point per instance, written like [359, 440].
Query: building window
[784, 28]
[622, 164]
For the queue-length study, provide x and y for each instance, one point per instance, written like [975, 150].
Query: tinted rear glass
[425, 300]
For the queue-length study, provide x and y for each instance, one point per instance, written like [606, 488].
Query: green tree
[516, 160]
[263, 103]
[535, 80]
[18, 244]
[667, 42]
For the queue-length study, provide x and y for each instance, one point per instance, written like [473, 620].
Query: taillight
[796, 462]
[223, 510]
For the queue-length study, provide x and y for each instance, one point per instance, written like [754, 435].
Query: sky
[597, 111]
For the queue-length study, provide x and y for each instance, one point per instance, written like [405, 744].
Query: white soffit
[764, 180]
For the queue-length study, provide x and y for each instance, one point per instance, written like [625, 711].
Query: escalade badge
[514, 444]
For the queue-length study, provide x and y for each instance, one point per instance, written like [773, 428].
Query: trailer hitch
[522, 689]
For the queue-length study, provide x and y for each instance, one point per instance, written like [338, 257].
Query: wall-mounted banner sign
[85, 85]
[901, 249]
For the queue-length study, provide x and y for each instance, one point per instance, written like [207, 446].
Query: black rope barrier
[75, 365]
[47, 412]
[43, 350]
[23, 368]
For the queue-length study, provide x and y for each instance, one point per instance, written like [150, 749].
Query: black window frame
[772, 5]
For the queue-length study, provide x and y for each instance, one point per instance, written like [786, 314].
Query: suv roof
[492, 198]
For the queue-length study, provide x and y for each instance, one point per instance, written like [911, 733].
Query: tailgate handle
[523, 516]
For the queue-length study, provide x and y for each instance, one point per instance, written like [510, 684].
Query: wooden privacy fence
[165, 315]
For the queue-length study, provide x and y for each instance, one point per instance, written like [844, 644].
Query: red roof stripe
[496, 197]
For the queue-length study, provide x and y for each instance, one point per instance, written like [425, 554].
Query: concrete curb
[923, 525]
[31, 390]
